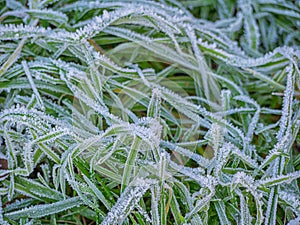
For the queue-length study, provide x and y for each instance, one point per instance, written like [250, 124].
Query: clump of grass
[149, 112]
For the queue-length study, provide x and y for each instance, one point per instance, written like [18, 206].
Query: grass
[149, 112]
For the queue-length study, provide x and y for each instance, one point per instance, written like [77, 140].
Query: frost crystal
[149, 112]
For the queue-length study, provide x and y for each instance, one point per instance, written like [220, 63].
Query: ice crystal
[149, 112]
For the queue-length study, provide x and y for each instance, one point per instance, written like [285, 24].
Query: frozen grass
[145, 112]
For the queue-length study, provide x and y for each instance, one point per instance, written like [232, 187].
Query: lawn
[150, 112]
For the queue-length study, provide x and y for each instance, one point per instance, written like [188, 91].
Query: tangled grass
[149, 112]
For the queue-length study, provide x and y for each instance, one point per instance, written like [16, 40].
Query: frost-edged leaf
[285, 120]
[288, 178]
[250, 26]
[34, 189]
[39, 211]
[265, 78]
[154, 104]
[11, 188]
[127, 201]
[275, 153]
[245, 158]
[285, 127]
[220, 208]
[11, 154]
[130, 165]
[35, 91]
[200, 204]
[270, 216]
[12, 58]
[97, 192]
[246, 218]
[9, 32]
[48, 15]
